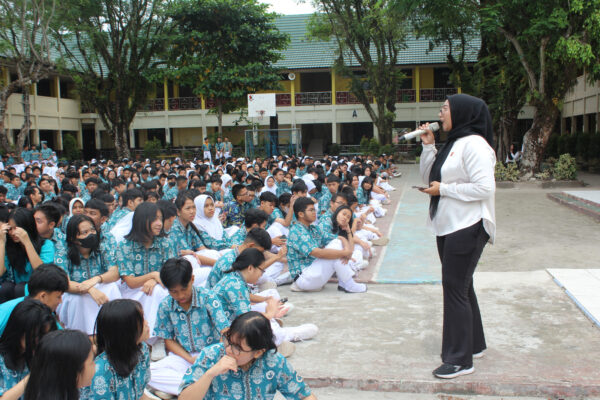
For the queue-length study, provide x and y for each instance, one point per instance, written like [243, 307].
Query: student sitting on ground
[189, 319]
[47, 285]
[221, 371]
[123, 362]
[29, 321]
[92, 271]
[310, 265]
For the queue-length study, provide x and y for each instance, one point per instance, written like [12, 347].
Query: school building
[313, 99]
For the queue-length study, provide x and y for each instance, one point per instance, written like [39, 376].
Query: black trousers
[9, 291]
[463, 330]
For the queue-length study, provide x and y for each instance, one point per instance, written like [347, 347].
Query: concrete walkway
[388, 340]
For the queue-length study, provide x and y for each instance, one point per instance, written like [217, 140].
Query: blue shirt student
[301, 242]
[94, 265]
[234, 295]
[46, 255]
[134, 259]
[267, 375]
[201, 325]
[108, 385]
[9, 378]
[223, 264]
[184, 238]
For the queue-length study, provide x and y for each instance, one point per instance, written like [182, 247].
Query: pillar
[97, 140]
[459, 89]
[336, 132]
[375, 132]
[57, 86]
[36, 137]
[418, 84]
[204, 132]
[59, 141]
[293, 94]
[132, 138]
[166, 93]
[168, 137]
[80, 137]
[203, 102]
[332, 88]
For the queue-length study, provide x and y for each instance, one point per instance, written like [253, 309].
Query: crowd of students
[115, 264]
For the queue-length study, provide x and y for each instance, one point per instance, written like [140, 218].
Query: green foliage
[582, 146]
[562, 145]
[565, 168]
[594, 149]
[552, 146]
[70, 149]
[152, 148]
[374, 147]
[386, 149]
[506, 173]
[334, 149]
[364, 145]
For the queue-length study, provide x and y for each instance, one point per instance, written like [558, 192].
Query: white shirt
[468, 186]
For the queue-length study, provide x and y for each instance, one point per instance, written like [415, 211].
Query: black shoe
[449, 371]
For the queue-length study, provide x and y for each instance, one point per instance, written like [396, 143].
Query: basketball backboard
[261, 105]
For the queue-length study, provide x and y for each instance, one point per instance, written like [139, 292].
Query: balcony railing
[429, 95]
[406, 96]
[346, 98]
[313, 98]
[185, 103]
[153, 105]
[283, 99]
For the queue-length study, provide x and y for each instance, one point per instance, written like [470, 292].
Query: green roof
[306, 53]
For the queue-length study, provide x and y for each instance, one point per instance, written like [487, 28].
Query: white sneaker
[351, 286]
[289, 306]
[267, 285]
[296, 288]
[158, 350]
[363, 264]
[304, 332]
[284, 279]
[397, 174]
[479, 355]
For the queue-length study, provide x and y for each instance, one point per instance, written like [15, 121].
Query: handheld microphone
[411, 135]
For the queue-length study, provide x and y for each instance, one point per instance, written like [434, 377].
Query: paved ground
[384, 343]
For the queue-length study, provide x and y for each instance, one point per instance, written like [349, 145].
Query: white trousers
[271, 272]
[207, 155]
[316, 275]
[79, 311]
[167, 374]
[149, 303]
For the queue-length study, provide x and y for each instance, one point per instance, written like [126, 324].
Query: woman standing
[461, 212]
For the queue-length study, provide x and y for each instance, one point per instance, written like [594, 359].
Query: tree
[111, 48]
[26, 47]
[554, 42]
[225, 49]
[369, 35]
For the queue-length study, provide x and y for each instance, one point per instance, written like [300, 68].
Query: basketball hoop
[261, 114]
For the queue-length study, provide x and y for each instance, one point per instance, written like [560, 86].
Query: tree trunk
[120, 132]
[4, 95]
[536, 138]
[220, 117]
[26, 127]
[504, 129]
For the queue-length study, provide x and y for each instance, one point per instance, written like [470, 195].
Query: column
[97, 140]
[293, 94]
[418, 84]
[459, 89]
[375, 132]
[168, 136]
[132, 138]
[59, 140]
[332, 87]
[80, 136]
[203, 102]
[204, 132]
[36, 137]
[166, 93]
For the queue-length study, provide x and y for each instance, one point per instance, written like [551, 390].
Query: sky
[288, 7]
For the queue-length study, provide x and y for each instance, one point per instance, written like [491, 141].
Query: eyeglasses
[235, 348]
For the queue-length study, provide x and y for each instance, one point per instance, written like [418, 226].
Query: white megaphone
[411, 135]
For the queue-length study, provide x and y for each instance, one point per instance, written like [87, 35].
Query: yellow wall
[426, 78]
[186, 137]
[342, 84]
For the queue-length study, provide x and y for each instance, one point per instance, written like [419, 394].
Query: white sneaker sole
[456, 374]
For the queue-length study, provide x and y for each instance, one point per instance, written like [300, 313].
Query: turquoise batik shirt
[95, 265]
[239, 236]
[200, 326]
[170, 192]
[215, 195]
[361, 196]
[301, 172]
[255, 202]
[301, 242]
[184, 238]
[325, 228]
[46, 153]
[13, 192]
[223, 264]
[206, 147]
[267, 375]
[49, 196]
[282, 187]
[46, 255]
[134, 259]
[108, 247]
[325, 200]
[115, 217]
[9, 378]
[108, 385]
[234, 295]
[274, 215]
[215, 244]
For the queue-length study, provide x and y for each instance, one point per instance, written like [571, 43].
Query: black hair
[339, 194]
[333, 178]
[59, 360]
[335, 226]
[29, 190]
[67, 187]
[48, 278]
[351, 198]
[29, 320]
[236, 189]
[367, 179]
[269, 197]
[259, 236]
[97, 204]
[4, 212]
[197, 183]
[182, 198]
[246, 258]
[285, 198]
[119, 325]
[130, 195]
[301, 204]
[176, 271]
[255, 328]
[106, 197]
[15, 252]
[181, 178]
[3, 190]
[215, 178]
[168, 208]
[143, 216]
[255, 216]
[299, 186]
[50, 211]
[72, 232]
[155, 195]
[93, 180]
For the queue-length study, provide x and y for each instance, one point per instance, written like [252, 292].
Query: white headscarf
[212, 226]
[266, 188]
[72, 202]
[225, 179]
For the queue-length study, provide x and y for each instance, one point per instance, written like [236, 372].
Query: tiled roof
[303, 52]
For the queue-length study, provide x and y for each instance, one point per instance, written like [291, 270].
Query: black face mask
[89, 242]
[172, 184]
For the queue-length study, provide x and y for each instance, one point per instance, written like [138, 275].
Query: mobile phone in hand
[283, 300]
[421, 188]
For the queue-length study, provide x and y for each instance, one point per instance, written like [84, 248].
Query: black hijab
[470, 116]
